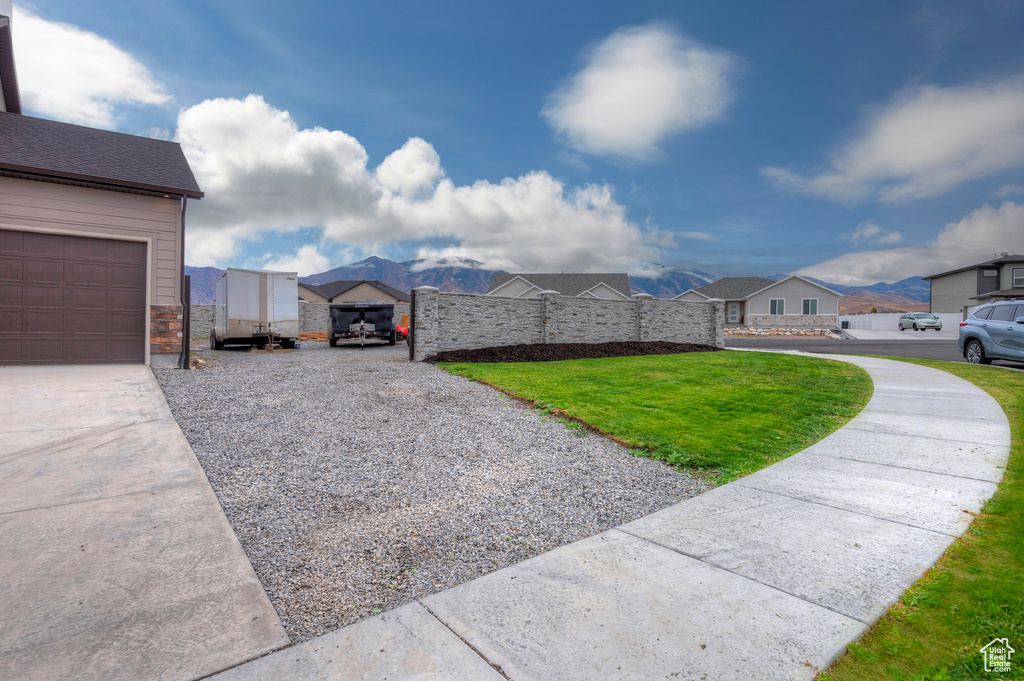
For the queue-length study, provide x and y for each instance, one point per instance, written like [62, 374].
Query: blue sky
[853, 141]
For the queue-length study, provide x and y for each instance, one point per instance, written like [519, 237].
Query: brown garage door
[71, 300]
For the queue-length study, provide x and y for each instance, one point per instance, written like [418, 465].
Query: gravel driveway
[357, 481]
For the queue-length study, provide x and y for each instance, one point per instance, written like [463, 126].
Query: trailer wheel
[331, 340]
[287, 343]
[214, 343]
[391, 338]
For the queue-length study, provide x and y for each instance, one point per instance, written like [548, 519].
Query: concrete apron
[768, 577]
[117, 561]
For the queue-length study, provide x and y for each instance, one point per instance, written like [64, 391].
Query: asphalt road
[924, 349]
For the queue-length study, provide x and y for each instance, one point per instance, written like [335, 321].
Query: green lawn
[974, 593]
[728, 413]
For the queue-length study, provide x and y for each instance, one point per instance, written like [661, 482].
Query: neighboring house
[91, 238]
[351, 292]
[964, 289]
[602, 286]
[756, 301]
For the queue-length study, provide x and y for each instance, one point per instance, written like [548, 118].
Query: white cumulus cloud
[975, 238]
[74, 75]
[927, 141]
[637, 87]
[262, 172]
[307, 260]
[870, 232]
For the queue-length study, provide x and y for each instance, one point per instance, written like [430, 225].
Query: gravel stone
[357, 481]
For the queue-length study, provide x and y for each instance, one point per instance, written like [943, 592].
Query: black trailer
[365, 320]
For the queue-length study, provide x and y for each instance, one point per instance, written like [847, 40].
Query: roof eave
[96, 182]
[8, 74]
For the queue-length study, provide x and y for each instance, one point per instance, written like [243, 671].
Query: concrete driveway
[117, 561]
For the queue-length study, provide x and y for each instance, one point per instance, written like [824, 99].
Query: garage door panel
[11, 269]
[59, 303]
[12, 242]
[132, 252]
[127, 324]
[39, 323]
[43, 296]
[124, 275]
[10, 350]
[41, 350]
[126, 299]
[85, 323]
[44, 271]
[11, 295]
[91, 298]
[84, 248]
[10, 321]
[43, 244]
[87, 273]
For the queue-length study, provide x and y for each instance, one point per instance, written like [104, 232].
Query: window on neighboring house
[1018, 277]
[990, 273]
[777, 306]
[810, 306]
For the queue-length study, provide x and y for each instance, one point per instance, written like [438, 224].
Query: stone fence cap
[642, 295]
[426, 288]
[549, 293]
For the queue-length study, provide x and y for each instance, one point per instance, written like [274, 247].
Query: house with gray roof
[792, 302]
[92, 227]
[963, 289]
[601, 286]
[351, 292]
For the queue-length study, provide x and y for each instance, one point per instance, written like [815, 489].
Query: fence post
[641, 310]
[548, 312]
[717, 319]
[423, 318]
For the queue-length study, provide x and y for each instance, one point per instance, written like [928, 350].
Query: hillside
[855, 301]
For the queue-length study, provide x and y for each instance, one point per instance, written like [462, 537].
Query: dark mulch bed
[559, 351]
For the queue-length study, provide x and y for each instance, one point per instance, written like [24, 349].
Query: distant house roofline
[795, 276]
[988, 263]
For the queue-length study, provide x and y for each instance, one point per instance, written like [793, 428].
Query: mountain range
[462, 275]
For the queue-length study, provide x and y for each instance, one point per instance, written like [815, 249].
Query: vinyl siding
[793, 291]
[953, 292]
[1006, 276]
[512, 289]
[45, 206]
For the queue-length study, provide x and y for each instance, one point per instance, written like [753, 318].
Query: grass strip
[973, 594]
[727, 413]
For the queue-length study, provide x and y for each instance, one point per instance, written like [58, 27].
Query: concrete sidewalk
[768, 577]
[117, 561]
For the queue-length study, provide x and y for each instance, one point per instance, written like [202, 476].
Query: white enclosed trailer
[254, 306]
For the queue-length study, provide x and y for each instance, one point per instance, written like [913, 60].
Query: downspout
[183, 359]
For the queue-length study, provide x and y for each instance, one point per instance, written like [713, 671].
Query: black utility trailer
[365, 320]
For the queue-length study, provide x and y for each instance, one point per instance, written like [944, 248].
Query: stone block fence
[312, 317]
[457, 321]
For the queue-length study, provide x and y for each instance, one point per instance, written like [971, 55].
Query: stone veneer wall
[455, 321]
[165, 324]
[312, 317]
[791, 321]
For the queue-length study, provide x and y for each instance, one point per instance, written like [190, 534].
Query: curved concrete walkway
[768, 577]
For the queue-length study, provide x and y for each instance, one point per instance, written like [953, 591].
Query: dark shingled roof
[987, 263]
[38, 147]
[336, 288]
[566, 284]
[735, 288]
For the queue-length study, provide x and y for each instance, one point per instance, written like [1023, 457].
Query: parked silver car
[993, 331]
[920, 321]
